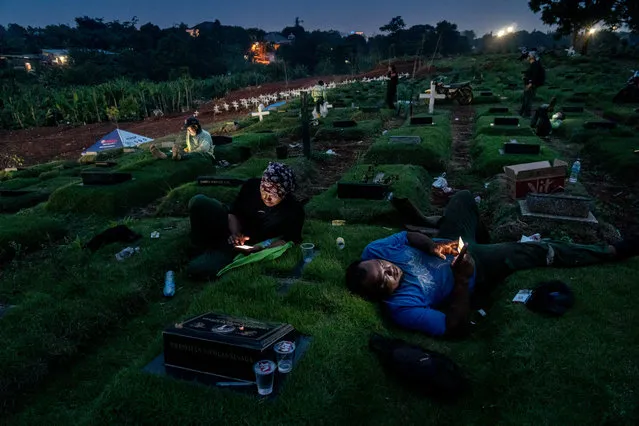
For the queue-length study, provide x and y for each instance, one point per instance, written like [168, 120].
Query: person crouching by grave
[265, 214]
[534, 77]
[421, 290]
[319, 97]
[391, 89]
[198, 143]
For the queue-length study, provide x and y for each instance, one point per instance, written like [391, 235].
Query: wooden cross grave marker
[260, 112]
[431, 96]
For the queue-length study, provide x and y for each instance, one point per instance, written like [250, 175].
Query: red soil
[42, 144]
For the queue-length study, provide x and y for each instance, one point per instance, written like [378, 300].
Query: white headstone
[260, 112]
[432, 96]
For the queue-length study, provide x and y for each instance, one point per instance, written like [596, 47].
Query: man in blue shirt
[413, 276]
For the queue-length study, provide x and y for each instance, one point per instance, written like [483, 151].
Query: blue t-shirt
[426, 283]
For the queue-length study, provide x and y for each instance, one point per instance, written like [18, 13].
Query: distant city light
[506, 30]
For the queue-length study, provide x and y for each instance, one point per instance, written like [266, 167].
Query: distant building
[55, 56]
[20, 62]
[264, 52]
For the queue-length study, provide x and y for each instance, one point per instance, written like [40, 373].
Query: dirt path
[462, 120]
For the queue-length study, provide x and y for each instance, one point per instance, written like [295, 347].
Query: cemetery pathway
[462, 117]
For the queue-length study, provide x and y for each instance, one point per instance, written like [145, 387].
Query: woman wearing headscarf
[264, 214]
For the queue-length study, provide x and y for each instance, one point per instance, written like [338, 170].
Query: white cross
[216, 109]
[571, 51]
[226, 106]
[244, 103]
[260, 112]
[432, 96]
[235, 105]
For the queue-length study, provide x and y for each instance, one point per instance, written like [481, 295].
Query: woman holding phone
[264, 214]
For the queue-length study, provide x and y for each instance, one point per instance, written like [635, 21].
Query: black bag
[119, 233]
[552, 298]
[429, 372]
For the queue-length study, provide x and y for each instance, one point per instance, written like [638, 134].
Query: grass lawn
[412, 183]
[487, 161]
[432, 153]
[615, 155]
[84, 324]
[151, 180]
[485, 126]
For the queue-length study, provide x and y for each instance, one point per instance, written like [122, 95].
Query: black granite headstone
[498, 110]
[600, 125]
[521, 148]
[221, 140]
[345, 123]
[566, 89]
[245, 153]
[421, 121]
[366, 191]
[104, 178]
[222, 345]
[487, 93]
[513, 86]
[506, 121]
[219, 181]
[582, 94]
[570, 77]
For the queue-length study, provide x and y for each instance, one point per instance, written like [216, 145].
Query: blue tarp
[116, 139]
[275, 105]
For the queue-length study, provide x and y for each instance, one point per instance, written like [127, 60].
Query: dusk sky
[352, 15]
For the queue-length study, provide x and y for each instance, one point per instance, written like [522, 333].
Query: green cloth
[266, 254]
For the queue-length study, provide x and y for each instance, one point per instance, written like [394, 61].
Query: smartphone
[460, 255]
[243, 247]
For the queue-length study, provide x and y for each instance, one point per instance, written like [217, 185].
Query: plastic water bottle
[340, 243]
[574, 173]
[169, 284]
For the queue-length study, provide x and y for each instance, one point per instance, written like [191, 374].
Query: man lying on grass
[264, 214]
[413, 276]
[198, 143]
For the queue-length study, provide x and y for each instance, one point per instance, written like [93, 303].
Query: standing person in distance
[534, 77]
[391, 89]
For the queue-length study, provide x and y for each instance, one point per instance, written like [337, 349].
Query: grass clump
[615, 155]
[364, 129]
[72, 297]
[432, 153]
[487, 161]
[484, 127]
[257, 142]
[20, 234]
[151, 180]
[411, 184]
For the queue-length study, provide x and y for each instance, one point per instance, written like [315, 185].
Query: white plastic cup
[264, 376]
[307, 251]
[285, 352]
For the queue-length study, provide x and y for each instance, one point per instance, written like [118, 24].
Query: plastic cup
[307, 251]
[285, 352]
[264, 376]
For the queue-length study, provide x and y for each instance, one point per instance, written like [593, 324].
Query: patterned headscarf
[278, 179]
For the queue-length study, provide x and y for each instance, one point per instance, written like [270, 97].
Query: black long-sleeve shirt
[260, 222]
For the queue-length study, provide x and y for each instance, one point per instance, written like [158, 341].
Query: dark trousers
[391, 95]
[527, 101]
[318, 104]
[495, 262]
[209, 233]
